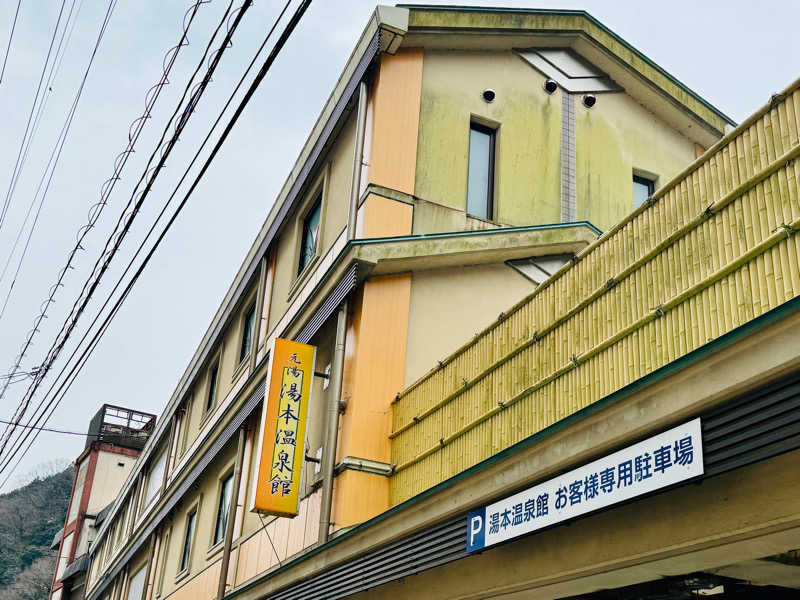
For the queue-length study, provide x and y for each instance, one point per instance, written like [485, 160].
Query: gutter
[776, 314]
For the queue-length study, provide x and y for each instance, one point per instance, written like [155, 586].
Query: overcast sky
[734, 54]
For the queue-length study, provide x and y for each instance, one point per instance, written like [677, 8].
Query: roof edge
[594, 21]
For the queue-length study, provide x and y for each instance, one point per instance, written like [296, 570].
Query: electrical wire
[153, 172]
[64, 386]
[15, 176]
[6, 203]
[55, 155]
[10, 37]
[134, 131]
[82, 434]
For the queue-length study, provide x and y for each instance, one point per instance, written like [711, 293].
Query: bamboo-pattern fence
[711, 250]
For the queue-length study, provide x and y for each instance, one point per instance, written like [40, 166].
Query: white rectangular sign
[662, 460]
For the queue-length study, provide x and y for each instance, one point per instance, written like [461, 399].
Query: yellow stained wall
[449, 306]
[615, 138]
[528, 139]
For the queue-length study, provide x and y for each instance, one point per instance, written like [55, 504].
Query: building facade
[520, 247]
[114, 440]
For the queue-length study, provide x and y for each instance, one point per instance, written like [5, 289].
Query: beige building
[521, 249]
[114, 440]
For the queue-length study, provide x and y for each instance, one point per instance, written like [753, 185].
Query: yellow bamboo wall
[714, 248]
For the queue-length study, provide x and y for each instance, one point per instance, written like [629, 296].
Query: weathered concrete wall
[444, 300]
[614, 139]
[528, 142]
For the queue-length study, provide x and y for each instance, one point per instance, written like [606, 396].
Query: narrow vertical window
[224, 509]
[136, 585]
[187, 540]
[480, 176]
[247, 332]
[642, 189]
[212, 386]
[310, 236]
[155, 477]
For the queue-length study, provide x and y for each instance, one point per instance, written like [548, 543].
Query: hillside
[29, 518]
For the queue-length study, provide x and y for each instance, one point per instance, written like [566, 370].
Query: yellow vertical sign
[283, 429]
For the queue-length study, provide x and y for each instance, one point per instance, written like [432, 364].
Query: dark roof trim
[594, 21]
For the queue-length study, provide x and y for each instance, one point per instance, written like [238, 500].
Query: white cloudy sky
[734, 53]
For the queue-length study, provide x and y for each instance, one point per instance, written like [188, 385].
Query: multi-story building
[523, 251]
[115, 438]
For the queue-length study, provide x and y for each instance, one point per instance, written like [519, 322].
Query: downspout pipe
[337, 367]
[358, 161]
[226, 548]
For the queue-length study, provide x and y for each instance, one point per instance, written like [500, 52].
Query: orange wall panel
[384, 217]
[396, 101]
[374, 370]
[357, 497]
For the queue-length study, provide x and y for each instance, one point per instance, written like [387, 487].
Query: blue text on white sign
[657, 462]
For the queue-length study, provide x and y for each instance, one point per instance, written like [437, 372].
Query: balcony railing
[712, 249]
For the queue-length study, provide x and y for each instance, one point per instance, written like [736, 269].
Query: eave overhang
[477, 28]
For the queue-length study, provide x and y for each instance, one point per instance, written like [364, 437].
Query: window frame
[186, 554]
[646, 180]
[212, 385]
[141, 570]
[314, 206]
[491, 200]
[225, 478]
[146, 502]
[248, 315]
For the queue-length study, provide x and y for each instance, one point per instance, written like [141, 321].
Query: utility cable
[33, 108]
[10, 37]
[55, 155]
[153, 172]
[64, 387]
[134, 131]
[80, 433]
[15, 176]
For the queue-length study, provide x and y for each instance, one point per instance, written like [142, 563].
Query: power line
[6, 203]
[71, 321]
[64, 386]
[55, 155]
[10, 37]
[82, 434]
[17, 173]
[134, 131]
[76, 310]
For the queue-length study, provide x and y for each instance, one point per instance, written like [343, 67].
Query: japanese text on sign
[277, 485]
[660, 461]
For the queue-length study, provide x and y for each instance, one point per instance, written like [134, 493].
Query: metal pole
[337, 368]
[358, 156]
[329, 453]
[226, 549]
